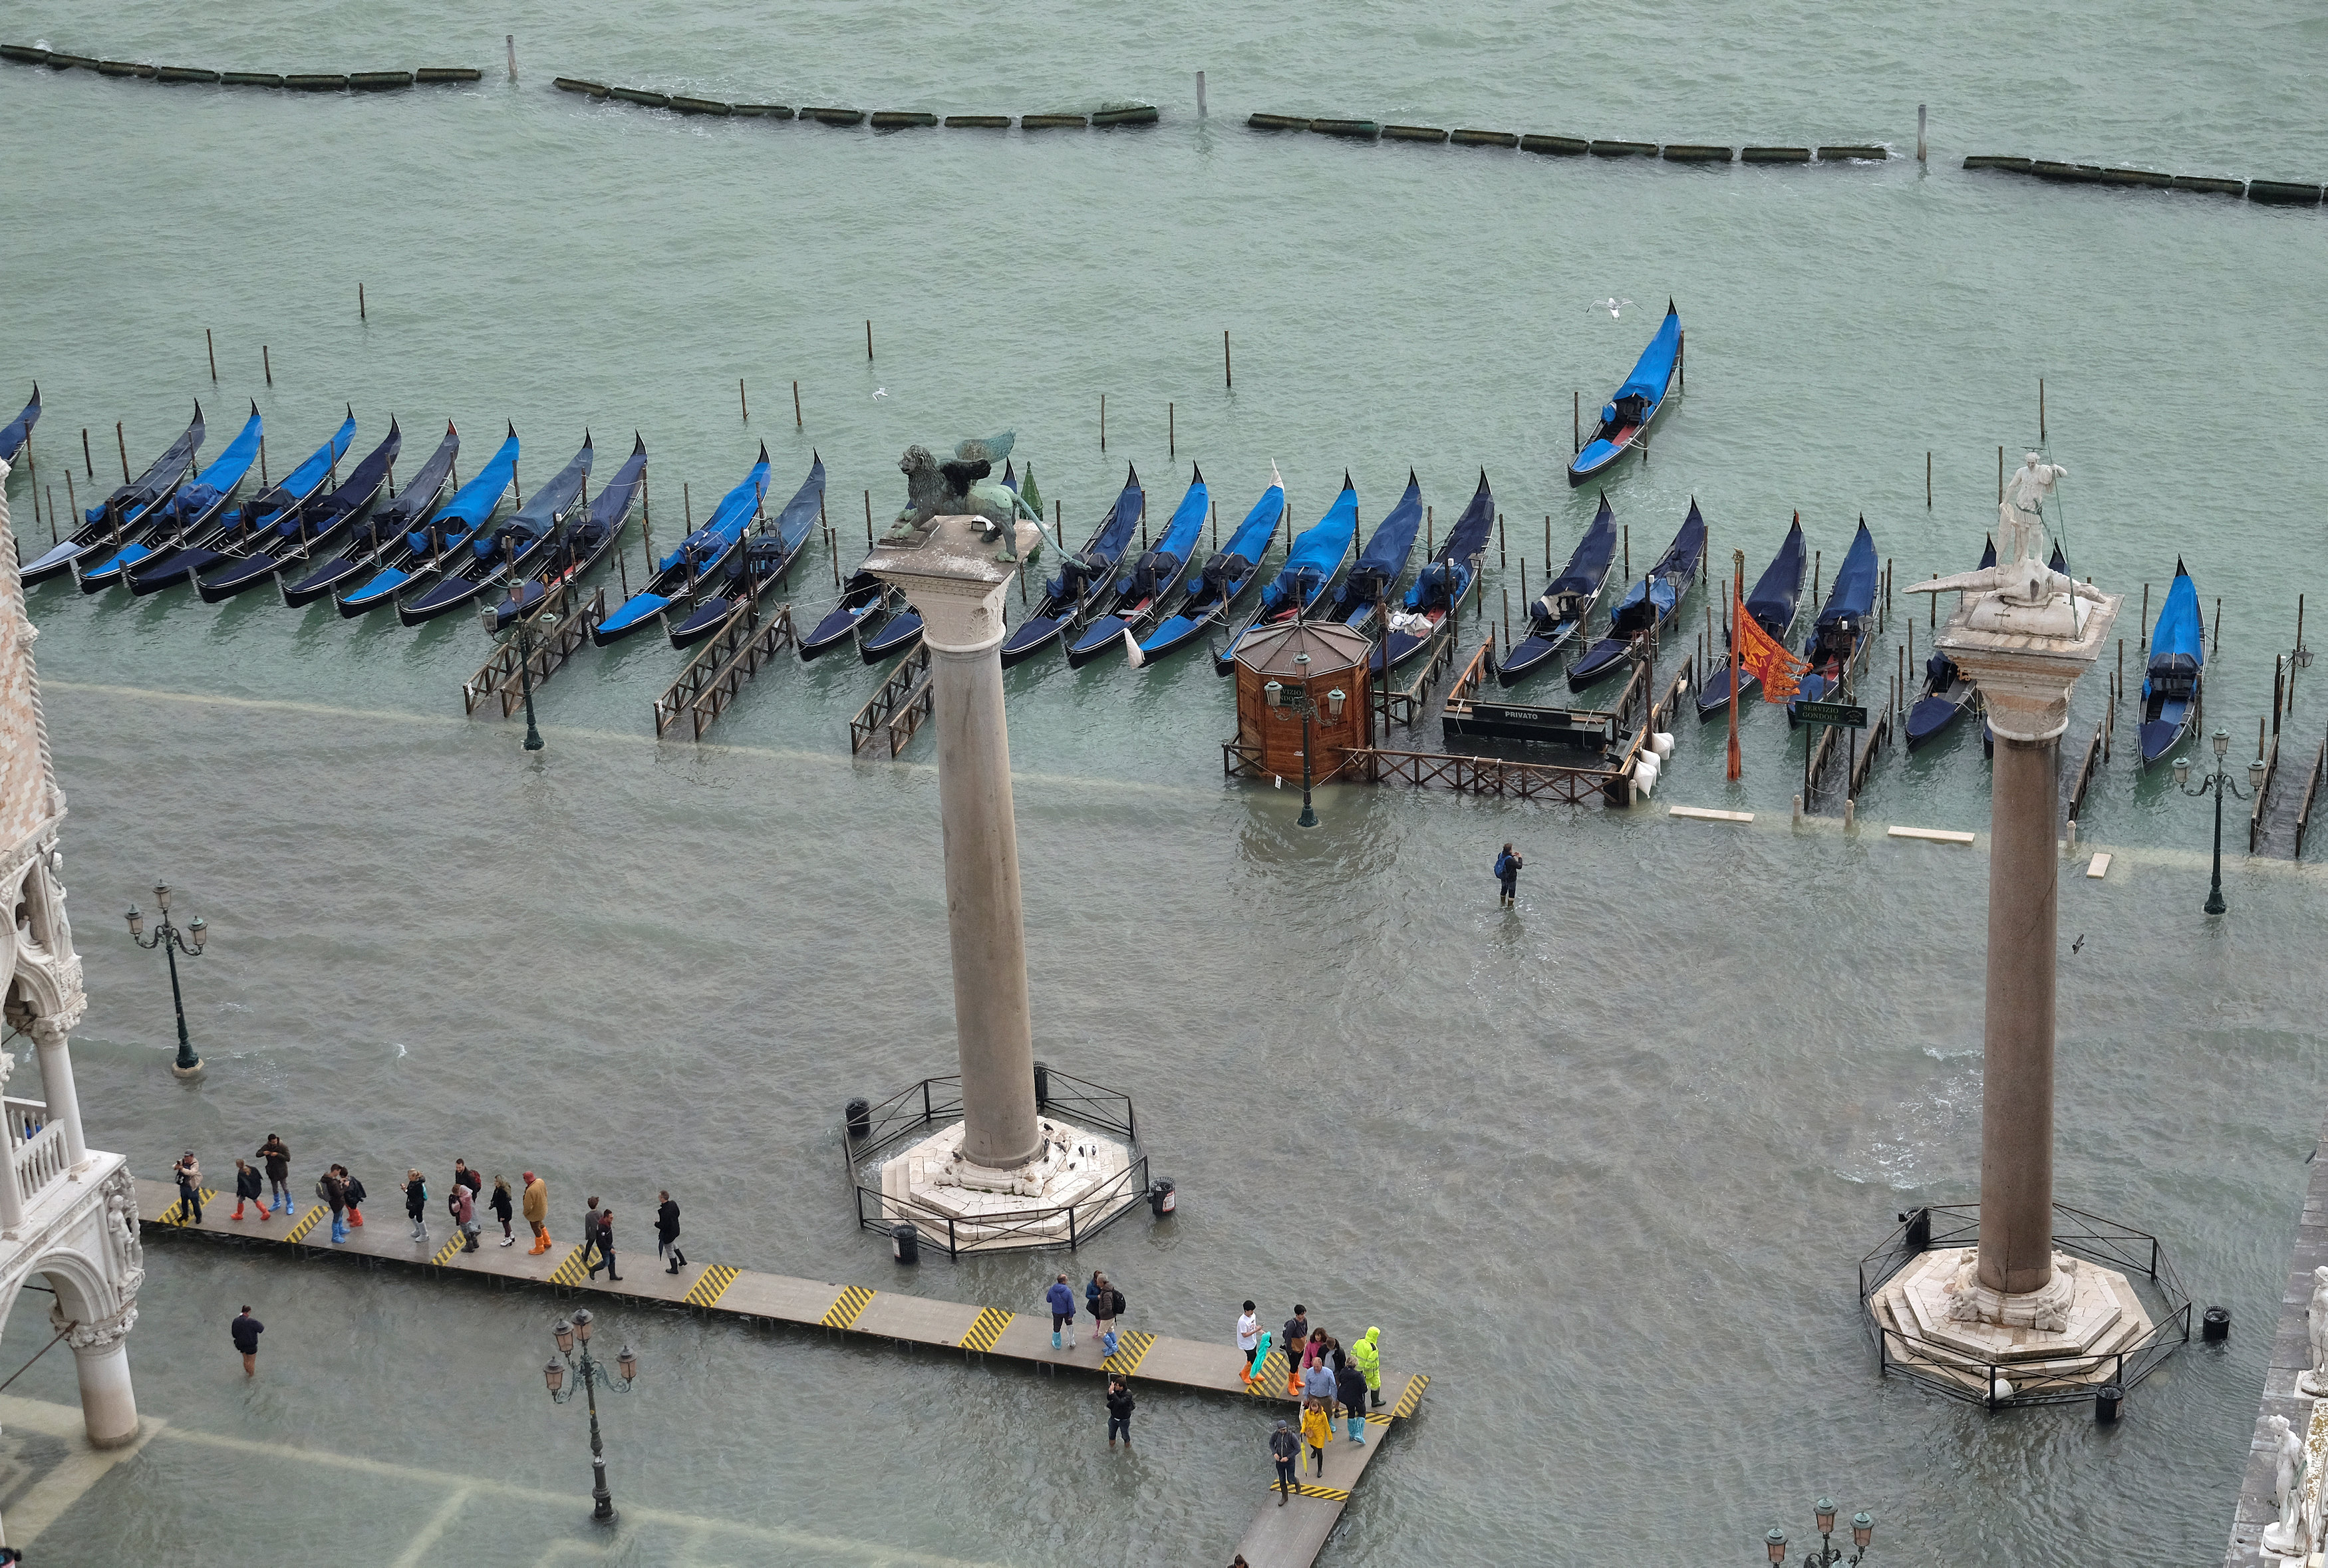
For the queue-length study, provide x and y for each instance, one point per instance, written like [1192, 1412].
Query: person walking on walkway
[590, 1233]
[537, 1212]
[1248, 1335]
[246, 1330]
[1508, 872]
[1317, 1430]
[465, 1175]
[1285, 1451]
[189, 1172]
[465, 1217]
[246, 1190]
[606, 1245]
[335, 1194]
[667, 1233]
[1350, 1390]
[503, 1208]
[1366, 1355]
[1317, 1388]
[1106, 1306]
[1292, 1339]
[416, 1204]
[1119, 1410]
[1062, 1299]
[277, 1160]
[355, 1194]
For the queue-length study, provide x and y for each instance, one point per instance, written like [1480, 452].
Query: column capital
[2026, 659]
[101, 1335]
[949, 572]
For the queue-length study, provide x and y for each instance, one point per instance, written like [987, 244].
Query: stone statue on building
[2286, 1535]
[2315, 1381]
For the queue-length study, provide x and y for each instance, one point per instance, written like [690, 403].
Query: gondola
[258, 518]
[1304, 575]
[187, 515]
[123, 515]
[1947, 693]
[585, 543]
[423, 549]
[2178, 663]
[289, 539]
[367, 546]
[1140, 592]
[1085, 577]
[1440, 587]
[493, 556]
[862, 598]
[1774, 604]
[1626, 415]
[1374, 576]
[1833, 644]
[1556, 619]
[19, 430]
[698, 556]
[1222, 580]
[766, 557]
[1647, 606]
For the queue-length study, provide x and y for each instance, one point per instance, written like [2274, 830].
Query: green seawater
[1603, 1166]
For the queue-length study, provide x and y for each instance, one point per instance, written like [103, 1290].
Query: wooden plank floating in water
[2098, 867]
[1485, 138]
[1931, 835]
[1708, 814]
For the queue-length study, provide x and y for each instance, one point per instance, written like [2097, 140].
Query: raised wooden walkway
[1279, 1537]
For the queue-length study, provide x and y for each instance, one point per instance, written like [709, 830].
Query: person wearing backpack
[355, 1194]
[1106, 1305]
[1508, 872]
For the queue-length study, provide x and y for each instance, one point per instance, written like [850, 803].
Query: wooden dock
[899, 709]
[739, 650]
[497, 680]
[1287, 1537]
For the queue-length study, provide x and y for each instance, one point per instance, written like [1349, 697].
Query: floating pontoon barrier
[1052, 122]
[1563, 146]
[894, 119]
[1485, 138]
[2280, 192]
[445, 75]
[1125, 114]
[1775, 156]
[378, 81]
[978, 122]
[2144, 177]
[762, 111]
[2211, 183]
[1688, 153]
[1995, 161]
[1361, 130]
[2067, 173]
[834, 117]
[183, 73]
[1624, 149]
[316, 83]
[1276, 123]
[1413, 133]
[699, 106]
[122, 68]
[586, 89]
[71, 61]
[250, 78]
[639, 95]
[24, 53]
[1853, 154]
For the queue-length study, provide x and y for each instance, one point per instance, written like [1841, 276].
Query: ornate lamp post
[172, 942]
[524, 628]
[1862, 1531]
[1300, 700]
[593, 1372]
[2220, 783]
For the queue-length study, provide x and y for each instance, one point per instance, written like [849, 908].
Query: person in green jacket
[1366, 1354]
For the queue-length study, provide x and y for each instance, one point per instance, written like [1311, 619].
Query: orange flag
[1766, 659]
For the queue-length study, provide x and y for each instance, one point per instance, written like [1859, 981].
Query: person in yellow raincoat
[1317, 1430]
[1367, 1355]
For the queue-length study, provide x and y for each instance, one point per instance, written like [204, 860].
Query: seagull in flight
[1614, 307]
[880, 391]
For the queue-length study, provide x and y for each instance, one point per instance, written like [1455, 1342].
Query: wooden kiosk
[1325, 660]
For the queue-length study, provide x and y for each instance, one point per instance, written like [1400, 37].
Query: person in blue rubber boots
[1062, 1299]
[1350, 1388]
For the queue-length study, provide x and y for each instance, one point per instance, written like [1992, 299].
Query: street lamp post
[524, 627]
[172, 942]
[1863, 1532]
[2220, 783]
[1298, 699]
[594, 1373]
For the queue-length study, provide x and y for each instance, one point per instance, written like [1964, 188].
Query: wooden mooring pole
[210, 345]
[1228, 369]
[797, 425]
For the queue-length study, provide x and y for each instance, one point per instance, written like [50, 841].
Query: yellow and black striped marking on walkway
[1130, 1347]
[306, 1222]
[1413, 1397]
[570, 1272]
[1265, 1383]
[179, 1214]
[445, 1254]
[1323, 1493]
[987, 1330]
[710, 1286]
[844, 1312]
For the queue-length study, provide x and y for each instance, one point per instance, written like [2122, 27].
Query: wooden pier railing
[899, 709]
[2311, 793]
[1486, 776]
[497, 678]
[739, 650]
[2270, 777]
[1405, 706]
[2082, 779]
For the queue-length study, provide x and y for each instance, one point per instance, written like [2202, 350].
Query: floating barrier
[1126, 114]
[892, 119]
[378, 81]
[699, 106]
[122, 68]
[1868, 154]
[360, 81]
[2271, 192]
[316, 83]
[978, 122]
[1992, 161]
[70, 63]
[250, 78]
[834, 117]
[1775, 156]
[2281, 194]
[1624, 149]
[24, 53]
[1559, 146]
[586, 89]
[1485, 138]
[2067, 173]
[1357, 130]
[1685, 153]
[1276, 123]
[2210, 183]
[640, 96]
[184, 73]
[2138, 178]
[447, 75]
[762, 111]
[1413, 133]
[1052, 122]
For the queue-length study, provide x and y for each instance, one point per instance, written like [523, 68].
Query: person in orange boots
[536, 1208]
[246, 1190]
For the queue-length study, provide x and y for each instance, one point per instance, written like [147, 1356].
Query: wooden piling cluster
[321, 81]
[498, 678]
[1367, 130]
[2275, 192]
[717, 674]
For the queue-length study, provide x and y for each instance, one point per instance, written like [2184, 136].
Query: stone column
[949, 571]
[57, 1088]
[109, 1406]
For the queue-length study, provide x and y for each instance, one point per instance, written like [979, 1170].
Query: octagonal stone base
[2097, 1308]
[1079, 1172]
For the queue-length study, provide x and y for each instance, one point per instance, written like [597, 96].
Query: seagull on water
[1613, 306]
[880, 391]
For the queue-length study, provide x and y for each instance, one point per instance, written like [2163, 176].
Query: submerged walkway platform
[1281, 1538]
